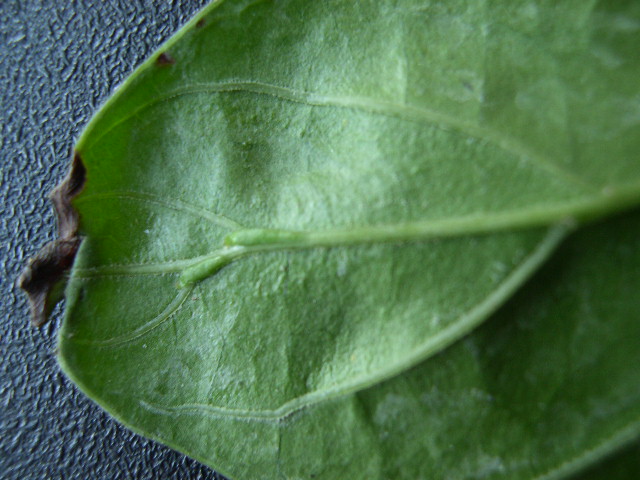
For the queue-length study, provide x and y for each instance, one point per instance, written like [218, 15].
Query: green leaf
[546, 387]
[622, 466]
[295, 201]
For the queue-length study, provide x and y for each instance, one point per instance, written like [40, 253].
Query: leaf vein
[172, 204]
[380, 107]
[171, 309]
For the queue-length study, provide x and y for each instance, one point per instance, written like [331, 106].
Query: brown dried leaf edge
[44, 273]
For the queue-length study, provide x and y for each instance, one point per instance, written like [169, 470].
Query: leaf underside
[295, 212]
[621, 466]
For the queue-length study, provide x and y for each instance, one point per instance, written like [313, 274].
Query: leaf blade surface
[492, 147]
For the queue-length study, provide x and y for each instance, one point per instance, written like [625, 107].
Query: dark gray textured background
[59, 60]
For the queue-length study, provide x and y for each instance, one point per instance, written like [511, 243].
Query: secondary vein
[170, 203]
[354, 102]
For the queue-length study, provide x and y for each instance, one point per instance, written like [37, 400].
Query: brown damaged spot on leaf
[43, 276]
[165, 59]
[62, 195]
[201, 23]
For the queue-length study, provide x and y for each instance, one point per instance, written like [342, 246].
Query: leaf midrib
[243, 242]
